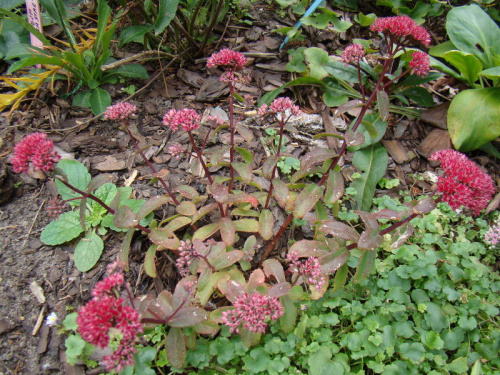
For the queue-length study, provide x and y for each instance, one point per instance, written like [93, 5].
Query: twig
[39, 321]
[138, 56]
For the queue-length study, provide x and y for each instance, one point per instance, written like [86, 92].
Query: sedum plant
[226, 241]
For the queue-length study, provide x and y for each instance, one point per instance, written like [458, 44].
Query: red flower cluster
[120, 111]
[176, 150]
[188, 119]
[281, 109]
[309, 269]
[353, 54]
[107, 317]
[228, 60]
[38, 150]
[253, 312]
[420, 64]
[403, 29]
[464, 183]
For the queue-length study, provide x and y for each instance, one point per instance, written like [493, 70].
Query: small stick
[39, 321]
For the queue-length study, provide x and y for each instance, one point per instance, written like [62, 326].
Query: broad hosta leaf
[77, 175]
[471, 30]
[88, 251]
[274, 268]
[466, 63]
[176, 347]
[266, 222]
[365, 265]
[334, 187]
[64, 229]
[227, 230]
[244, 171]
[339, 230]
[306, 200]
[149, 261]
[372, 160]
[247, 225]
[307, 248]
[188, 316]
[474, 118]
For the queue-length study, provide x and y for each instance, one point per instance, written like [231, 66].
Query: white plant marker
[34, 18]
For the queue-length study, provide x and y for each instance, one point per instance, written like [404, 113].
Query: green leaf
[82, 99]
[339, 70]
[244, 171]
[257, 360]
[133, 34]
[474, 118]
[246, 225]
[88, 251]
[74, 347]
[132, 71]
[188, 316]
[434, 317]
[414, 352]
[176, 347]
[373, 129]
[467, 323]
[245, 154]
[149, 261]
[316, 59]
[64, 229]
[433, 341]
[334, 187]
[491, 72]
[99, 101]
[458, 366]
[306, 200]
[320, 363]
[372, 160]
[69, 323]
[77, 175]
[143, 361]
[296, 60]
[227, 231]
[383, 104]
[365, 266]
[471, 30]
[419, 95]
[166, 13]
[306, 81]
[466, 63]
[266, 222]
[205, 232]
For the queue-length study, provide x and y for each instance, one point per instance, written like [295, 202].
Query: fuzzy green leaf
[64, 229]
[88, 251]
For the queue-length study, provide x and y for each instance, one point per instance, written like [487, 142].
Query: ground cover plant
[346, 296]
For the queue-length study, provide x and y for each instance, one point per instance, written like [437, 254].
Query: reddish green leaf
[307, 248]
[151, 205]
[425, 206]
[370, 239]
[268, 166]
[245, 154]
[334, 187]
[244, 171]
[290, 314]
[125, 218]
[306, 200]
[241, 212]
[125, 248]
[164, 238]
[244, 132]
[205, 232]
[242, 198]
[383, 104]
[186, 208]
[187, 192]
[279, 290]
[333, 261]
[246, 225]
[316, 156]
[255, 279]
[207, 327]
[176, 347]
[266, 222]
[184, 291]
[249, 338]
[365, 266]
[178, 223]
[227, 230]
[150, 261]
[231, 289]
[274, 268]
[203, 211]
[227, 259]
[280, 192]
[354, 139]
[340, 278]
[340, 230]
[206, 292]
[219, 192]
[188, 316]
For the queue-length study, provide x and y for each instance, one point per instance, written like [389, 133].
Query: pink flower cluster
[176, 150]
[253, 312]
[420, 63]
[281, 108]
[107, 317]
[120, 111]
[402, 29]
[464, 183]
[492, 235]
[186, 257]
[186, 118]
[353, 54]
[309, 269]
[228, 60]
[38, 150]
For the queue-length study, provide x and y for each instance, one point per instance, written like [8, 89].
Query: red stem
[232, 128]
[282, 128]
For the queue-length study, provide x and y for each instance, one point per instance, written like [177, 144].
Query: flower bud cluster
[309, 269]
[120, 111]
[402, 29]
[420, 63]
[38, 150]
[353, 54]
[281, 109]
[186, 118]
[252, 312]
[492, 235]
[186, 256]
[176, 150]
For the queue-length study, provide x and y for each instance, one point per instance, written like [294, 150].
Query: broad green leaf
[246, 225]
[458, 365]
[442, 48]
[433, 341]
[266, 223]
[339, 70]
[10, 4]
[296, 60]
[245, 154]
[244, 171]
[143, 360]
[150, 261]
[471, 30]
[88, 251]
[419, 95]
[435, 317]
[491, 72]
[306, 200]
[372, 128]
[413, 351]
[82, 99]
[166, 13]
[306, 81]
[205, 232]
[132, 71]
[99, 100]
[133, 34]
[466, 63]
[340, 278]
[474, 118]
[372, 160]
[64, 229]
[176, 347]
[74, 347]
[77, 175]
[365, 265]
[320, 363]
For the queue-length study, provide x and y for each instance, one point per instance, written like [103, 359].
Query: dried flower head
[176, 150]
[464, 182]
[38, 150]
[492, 235]
[281, 108]
[309, 269]
[120, 111]
[228, 60]
[252, 312]
[402, 29]
[353, 54]
[420, 63]
[186, 118]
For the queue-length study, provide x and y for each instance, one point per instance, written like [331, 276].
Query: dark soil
[31, 348]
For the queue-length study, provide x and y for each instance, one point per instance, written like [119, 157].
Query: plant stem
[282, 129]
[151, 166]
[232, 128]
